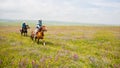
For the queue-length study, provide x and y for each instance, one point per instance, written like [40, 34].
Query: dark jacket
[23, 25]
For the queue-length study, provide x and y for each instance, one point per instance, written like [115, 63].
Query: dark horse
[24, 30]
[39, 34]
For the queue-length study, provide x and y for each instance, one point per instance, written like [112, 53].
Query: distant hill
[49, 23]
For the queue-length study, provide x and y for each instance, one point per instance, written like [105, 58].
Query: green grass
[66, 47]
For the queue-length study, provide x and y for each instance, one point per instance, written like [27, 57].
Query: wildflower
[34, 64]
[75, 57]
[0, 61]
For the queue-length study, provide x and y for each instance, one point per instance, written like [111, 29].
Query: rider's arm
[38, 26]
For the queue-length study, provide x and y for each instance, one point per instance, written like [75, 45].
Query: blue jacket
[23, 25]
[39, 24]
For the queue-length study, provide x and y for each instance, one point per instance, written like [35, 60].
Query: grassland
[66, 47]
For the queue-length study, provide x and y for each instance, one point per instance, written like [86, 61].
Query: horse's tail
[20, 30]
[32, 35]
[32, 32]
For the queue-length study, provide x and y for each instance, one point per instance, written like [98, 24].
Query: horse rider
[38, 26]
[23, 26]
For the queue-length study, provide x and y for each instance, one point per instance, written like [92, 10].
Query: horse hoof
[44, 43]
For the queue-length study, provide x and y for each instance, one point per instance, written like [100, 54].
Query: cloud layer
[89, 11]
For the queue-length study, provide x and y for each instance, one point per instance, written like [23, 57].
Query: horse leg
[31, 37]
[35, 38]
[38, 41]
[21, 33]
[43, 42]
[25, 34]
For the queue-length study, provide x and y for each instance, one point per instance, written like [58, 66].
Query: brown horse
[39, 34]
[24, 31]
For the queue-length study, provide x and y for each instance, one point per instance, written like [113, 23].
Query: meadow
[66, 47]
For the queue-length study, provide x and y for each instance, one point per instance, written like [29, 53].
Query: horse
[39, 34]
[24, 30]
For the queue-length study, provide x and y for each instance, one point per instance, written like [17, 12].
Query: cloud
[90, 11]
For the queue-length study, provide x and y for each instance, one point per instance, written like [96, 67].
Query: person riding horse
[24, 29]
[23, 26]
[39, 32]
[38, 26]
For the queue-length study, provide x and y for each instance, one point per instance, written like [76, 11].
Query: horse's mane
[41, 28]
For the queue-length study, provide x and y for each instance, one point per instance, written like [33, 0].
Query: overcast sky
[89, 11]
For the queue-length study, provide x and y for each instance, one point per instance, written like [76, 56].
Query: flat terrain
[66, 47]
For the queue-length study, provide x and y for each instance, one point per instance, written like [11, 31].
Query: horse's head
[43, 28]
[27, 26]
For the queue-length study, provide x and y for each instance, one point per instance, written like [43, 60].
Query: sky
[83, 11]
